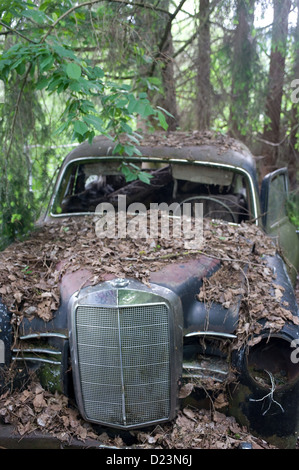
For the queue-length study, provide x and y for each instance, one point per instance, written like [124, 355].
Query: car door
[274, 196]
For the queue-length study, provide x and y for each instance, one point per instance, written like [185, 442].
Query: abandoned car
[123, 325]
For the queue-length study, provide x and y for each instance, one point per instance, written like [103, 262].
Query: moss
[50, 377]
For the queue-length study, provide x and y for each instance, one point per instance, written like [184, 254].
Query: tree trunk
[241, 69]
[294, 120]
[203, 84]
[168, 100]
[275, 84]
[157, 29]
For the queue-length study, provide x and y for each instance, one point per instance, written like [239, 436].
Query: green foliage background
[72, 70]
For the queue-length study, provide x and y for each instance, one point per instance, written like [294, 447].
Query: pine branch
[93, 2]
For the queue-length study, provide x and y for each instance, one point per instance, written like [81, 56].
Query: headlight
[272, 358]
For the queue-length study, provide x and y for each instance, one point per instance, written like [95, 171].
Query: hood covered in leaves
[232, 264]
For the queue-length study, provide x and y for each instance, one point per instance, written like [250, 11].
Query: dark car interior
[222, 192]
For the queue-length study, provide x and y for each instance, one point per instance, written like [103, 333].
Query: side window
[277, 199]
[274, 194]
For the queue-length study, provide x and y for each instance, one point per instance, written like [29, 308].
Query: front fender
[5, 335]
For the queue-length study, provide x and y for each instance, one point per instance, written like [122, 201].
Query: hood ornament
[120, 282]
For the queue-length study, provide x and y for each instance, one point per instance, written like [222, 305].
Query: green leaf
[125, 128]
[35, 15]
[133, 138]
[54, 84]
[145, 177]
[80, 127]
[162, 120]
[94, 121]
[128, 173]
[44, 5]
[63, 52]
[75, 86]
[61, 128]
[21, 68]
[17, 63]
[133, 103]
[15, 218]
[165, 111]
[147, 111]
[43, 83]
[96, 72]
[129, 150]
[73, 71]
[118, 149]
[46, 63]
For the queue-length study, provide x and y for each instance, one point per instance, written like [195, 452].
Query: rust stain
[174, 273]
[73, 281]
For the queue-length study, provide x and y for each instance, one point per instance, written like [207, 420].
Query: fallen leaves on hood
[31, 271]
[246, 283]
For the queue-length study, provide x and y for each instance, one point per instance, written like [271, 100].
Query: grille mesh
[123, 360]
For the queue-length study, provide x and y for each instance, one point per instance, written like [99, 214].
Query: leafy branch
[92, 104]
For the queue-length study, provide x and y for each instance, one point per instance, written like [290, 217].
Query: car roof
[193, 146]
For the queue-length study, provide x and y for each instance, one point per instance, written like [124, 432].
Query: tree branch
[187, 43]
[166, 34]
[17, 109]
[93, 2]
[53, 26]
[15, 31]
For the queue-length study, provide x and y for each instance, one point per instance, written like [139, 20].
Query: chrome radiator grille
[123, 356]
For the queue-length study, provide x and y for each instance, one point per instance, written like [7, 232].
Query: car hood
[185, 280]
[44, 272]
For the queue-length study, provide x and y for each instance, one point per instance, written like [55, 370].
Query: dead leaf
[220, 401]
[39, 402]
[186, 390]
[18, 296]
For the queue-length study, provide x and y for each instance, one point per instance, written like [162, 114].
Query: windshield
[87, 183]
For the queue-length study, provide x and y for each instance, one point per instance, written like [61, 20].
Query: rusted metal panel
[175, 275]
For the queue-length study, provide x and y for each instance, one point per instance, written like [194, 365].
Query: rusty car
[124, 345]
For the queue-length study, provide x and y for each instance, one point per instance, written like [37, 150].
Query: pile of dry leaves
[36, 410]
[245, 277]
[30, 271]
[179, 139]
[200, 429]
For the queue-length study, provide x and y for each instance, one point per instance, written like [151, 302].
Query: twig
[187, 253]
[15, 31]
[93, 2]
[272, 144]
[270, 395]
[13, 125]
